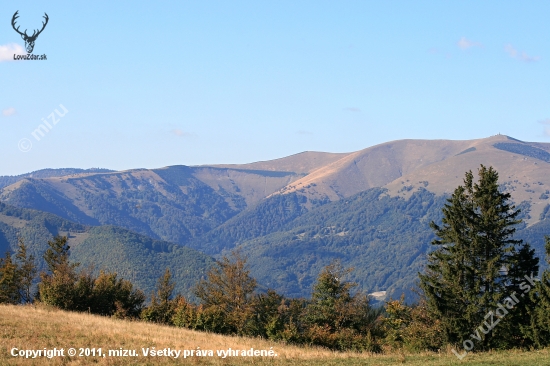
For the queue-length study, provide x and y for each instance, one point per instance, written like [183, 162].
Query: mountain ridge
[292, 215]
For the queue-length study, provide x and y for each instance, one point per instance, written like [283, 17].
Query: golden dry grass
[36, 327]
[30, 327]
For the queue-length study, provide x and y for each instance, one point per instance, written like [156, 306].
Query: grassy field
[35, 328]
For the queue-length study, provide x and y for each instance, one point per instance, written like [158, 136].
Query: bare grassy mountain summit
[405, 166]
[280, 213]
[178, 203]
[301, 163]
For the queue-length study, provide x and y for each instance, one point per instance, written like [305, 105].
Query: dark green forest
[385, 239]
[136, 257]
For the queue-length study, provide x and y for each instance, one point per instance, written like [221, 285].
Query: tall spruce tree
[539, 331]
[477, 264]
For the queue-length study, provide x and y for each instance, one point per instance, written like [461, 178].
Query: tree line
[479, 290]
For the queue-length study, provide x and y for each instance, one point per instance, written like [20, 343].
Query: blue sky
[203, 82]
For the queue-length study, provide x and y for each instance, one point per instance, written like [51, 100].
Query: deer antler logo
[29, 40]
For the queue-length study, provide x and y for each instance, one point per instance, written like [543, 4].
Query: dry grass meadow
[35, 327]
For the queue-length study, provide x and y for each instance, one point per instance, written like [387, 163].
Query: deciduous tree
[229, 289]
[17, 276]
[27, 272]
[9, 281]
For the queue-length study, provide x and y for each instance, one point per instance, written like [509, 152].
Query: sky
[131, 84]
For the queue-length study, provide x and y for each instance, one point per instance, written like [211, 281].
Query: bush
[411, 328]
[116, 297]
[185, 314]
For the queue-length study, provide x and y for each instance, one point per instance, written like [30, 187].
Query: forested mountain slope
[135, 257]
[293, 215]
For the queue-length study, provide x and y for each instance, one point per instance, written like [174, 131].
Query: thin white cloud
[464, 43]
[511, 51]
[9, 111]
[8, 50]
[181, 133]
[437, 51]
[304, 132]
[527, 58]
[352, 109]
[514, 53]
[545, 121]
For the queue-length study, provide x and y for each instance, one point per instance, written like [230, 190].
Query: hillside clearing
[36, 327]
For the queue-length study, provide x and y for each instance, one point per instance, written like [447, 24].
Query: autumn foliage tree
[9, 282]
[17, 276]
[27, 271]
[227, 293]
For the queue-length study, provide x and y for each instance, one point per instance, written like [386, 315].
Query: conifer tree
[163, 306]
[335, 317]
[57, 286]
[330, 296]
[57, 253]
[539, 331]
[476, 262]
[165, 287]
[9, 281]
